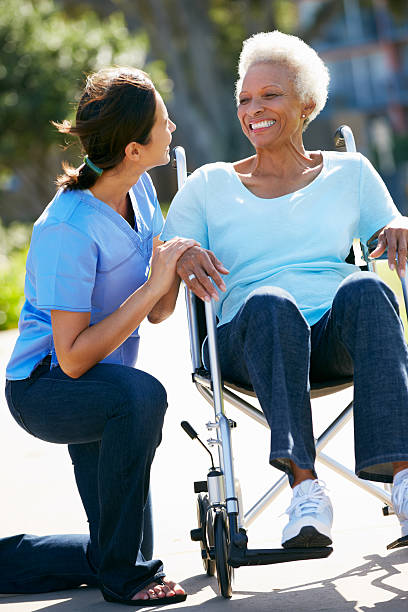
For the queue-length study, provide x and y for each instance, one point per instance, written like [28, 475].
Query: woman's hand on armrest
[393, 237]
[196, 267]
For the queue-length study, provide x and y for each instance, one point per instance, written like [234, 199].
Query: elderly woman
[290, 308]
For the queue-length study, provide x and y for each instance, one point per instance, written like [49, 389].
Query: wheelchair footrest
[398, 543]
[243, 556]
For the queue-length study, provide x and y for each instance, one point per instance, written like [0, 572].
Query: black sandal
[398, 543]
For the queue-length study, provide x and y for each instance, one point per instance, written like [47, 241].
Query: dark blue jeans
[111, 418]
[269, 345]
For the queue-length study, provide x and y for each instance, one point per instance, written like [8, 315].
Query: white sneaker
[310, 517]
[399, 498]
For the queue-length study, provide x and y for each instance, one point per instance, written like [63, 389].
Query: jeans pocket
[15, 413]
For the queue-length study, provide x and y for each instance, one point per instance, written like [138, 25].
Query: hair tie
[92, 166]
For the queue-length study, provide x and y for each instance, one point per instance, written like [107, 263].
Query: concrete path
[38, 495]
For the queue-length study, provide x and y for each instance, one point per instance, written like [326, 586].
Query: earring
[303, 115]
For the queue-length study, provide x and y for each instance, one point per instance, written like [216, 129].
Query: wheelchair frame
[221, 530]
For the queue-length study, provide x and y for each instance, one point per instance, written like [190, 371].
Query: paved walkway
[38, 496]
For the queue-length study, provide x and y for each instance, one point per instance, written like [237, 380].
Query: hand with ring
[198, 268]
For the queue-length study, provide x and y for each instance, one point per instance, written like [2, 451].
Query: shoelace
[312, 502]
[398, 496]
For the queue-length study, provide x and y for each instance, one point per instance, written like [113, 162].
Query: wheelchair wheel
[221, 541]
[206, 525]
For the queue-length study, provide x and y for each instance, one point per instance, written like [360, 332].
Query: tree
[45, 56]
[200, 41]
[196, 42]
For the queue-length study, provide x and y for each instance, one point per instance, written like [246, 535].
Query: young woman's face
[269, 109]
[157, 151]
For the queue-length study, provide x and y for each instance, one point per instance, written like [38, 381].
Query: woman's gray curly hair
[310, 74]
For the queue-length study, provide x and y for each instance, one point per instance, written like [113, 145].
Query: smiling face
[269, 109]
[157, 151]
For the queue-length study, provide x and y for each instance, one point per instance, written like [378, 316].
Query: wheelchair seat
[317, 389]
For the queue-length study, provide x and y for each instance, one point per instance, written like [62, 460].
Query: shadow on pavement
[308, 597]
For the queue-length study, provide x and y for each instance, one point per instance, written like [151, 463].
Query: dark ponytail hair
[118, 106]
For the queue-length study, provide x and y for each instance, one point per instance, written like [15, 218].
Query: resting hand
[164, 261]
[197, 267]
[394, 237]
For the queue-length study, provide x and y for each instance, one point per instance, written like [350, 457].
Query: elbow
[74, 374]
[71, 373]
[72, 370]
[156, 317]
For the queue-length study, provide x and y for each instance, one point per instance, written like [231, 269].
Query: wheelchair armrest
[372, 244]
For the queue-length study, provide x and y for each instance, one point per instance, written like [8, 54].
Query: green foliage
[165, 208]
[398, 8]
[401, 148]
[13, 253]
[235, 20]
[286, 16]
[45, 56]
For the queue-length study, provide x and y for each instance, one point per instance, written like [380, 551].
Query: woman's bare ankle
[299, 474]
[398, 466]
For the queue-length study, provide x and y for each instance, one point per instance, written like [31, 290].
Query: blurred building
[365, 46]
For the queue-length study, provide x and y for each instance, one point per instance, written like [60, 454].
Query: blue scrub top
[84, 257]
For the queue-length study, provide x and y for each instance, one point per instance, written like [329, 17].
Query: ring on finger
[191, 276]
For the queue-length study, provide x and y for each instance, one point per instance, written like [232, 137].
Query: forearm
[166, 304]
[95, 343]
[79, 347]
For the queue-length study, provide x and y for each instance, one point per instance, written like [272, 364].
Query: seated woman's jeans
[269, 345]
[111, 418]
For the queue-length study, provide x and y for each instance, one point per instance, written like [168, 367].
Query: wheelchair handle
[190, 431]
[344, 138]
[179, 157]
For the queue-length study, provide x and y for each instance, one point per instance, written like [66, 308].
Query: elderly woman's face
[269, 109]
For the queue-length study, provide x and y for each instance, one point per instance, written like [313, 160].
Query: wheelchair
[222, 526]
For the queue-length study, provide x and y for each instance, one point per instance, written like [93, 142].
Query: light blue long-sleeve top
[298, 242]
[84, 257]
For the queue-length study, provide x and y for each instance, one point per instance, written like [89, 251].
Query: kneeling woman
[71, 378]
